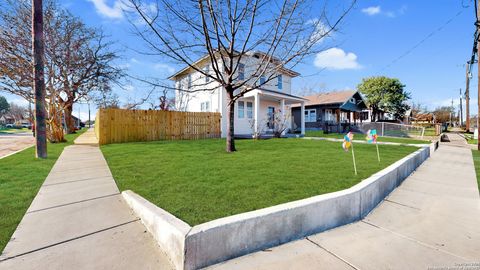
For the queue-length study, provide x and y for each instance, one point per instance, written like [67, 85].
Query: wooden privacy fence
[119, 125]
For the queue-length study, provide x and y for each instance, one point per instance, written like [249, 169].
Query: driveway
[11, 143]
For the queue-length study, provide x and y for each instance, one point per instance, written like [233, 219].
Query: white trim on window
[280, 82]
[249, 109]
[241, 109]
[241, 71]
[263, 79]
[206, 69]
[310, 115]
[329, 116]
[205, 106]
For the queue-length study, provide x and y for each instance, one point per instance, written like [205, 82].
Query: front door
[271, 118]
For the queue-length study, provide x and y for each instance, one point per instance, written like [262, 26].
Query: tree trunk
[230, 123]
[69, 122]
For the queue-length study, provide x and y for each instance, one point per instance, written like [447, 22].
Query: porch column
[257, 113]
[302, 117]
[284, 121]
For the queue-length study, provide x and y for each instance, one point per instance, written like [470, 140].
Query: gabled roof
[329, 98]
[206, 57]
[340, 98]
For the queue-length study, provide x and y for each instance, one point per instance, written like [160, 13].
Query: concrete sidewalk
[431, 220]
[78, 220]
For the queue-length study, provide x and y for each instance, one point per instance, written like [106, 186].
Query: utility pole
[467, 98]
[477, 24]
[39, 81]
[461, 110]
[452, 109]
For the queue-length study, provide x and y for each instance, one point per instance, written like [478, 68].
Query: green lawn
[429, 131]
[319, 133]
[21, 175]
[197, 181]
[470, 139]
[14, 130]
[476, 161]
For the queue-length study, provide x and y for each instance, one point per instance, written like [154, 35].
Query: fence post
[383, 129]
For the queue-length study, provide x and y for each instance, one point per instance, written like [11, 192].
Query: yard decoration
[347, 143]
[372, 138]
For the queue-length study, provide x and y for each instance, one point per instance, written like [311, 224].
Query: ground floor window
[241, 109]
[249, 110]
[205, 106]
[329, 116]
[311, 115]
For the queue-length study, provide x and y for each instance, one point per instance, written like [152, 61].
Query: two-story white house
[254, 112]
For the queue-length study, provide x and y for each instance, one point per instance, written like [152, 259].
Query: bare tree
[163, 101]
[106, 98]
[78, 59]
[278, 34]
[18, 112]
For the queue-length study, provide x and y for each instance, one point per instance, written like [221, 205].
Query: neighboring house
[333, 111]
[7, 119]
[254, 112]
[366, 115]
[423, 118]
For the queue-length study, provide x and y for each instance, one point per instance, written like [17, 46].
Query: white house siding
[218, 100]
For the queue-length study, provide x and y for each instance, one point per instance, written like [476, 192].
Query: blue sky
[372, 36]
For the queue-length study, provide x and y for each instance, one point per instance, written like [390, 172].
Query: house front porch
[264, 112]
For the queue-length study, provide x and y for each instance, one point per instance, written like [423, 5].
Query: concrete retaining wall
[237, 235]
[168, 231]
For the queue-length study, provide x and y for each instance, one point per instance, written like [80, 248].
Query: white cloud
[376, 10]
[162, 67]
[103, 8]
[336, 59]
[321, 31]
[372, 10]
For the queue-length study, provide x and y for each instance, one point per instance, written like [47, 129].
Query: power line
[424, 39]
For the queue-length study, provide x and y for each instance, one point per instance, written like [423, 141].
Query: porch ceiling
[274, 96]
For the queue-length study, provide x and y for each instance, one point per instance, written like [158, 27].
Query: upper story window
[352, 100]
[263, 79]
[206, 69]
[189, 81]
[279, 82]
[241, 71]
[241, 109]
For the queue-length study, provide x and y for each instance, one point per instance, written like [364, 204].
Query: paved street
[432, 219]
[78, 220]
[12, 143]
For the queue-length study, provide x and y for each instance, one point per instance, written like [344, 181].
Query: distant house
[333, 111]
[7, 119]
